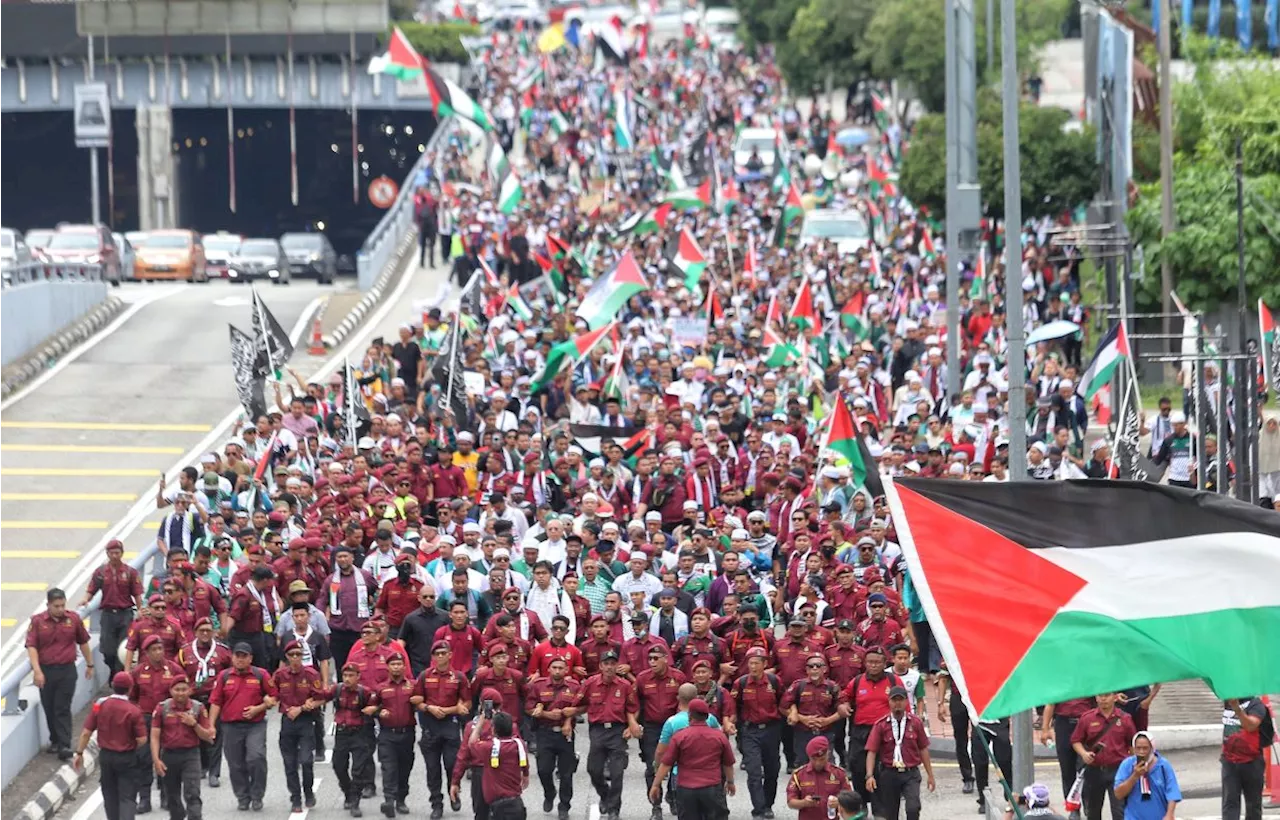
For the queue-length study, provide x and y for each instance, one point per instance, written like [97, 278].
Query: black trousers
[800, 738]
[55, 698]
[298, 749]
[340, 643]
[114, 628]
[211, 753]
[960, 730]
[895, 788]
[146, 774]
[440, 742]
[245, 748]
[556, 756]
[508, 808]
[1001, 747]
[352, 753]
[182, 783]
[606, 761]
[426, 248]
[1243, 782]
[649, 750]
[840, 742]
[924, 646]
[858, 736]
[789, 744]
[446, 245]
[1099, 784]
[760, 754]
[707, 803]
[1068, 761]
[478, 805]
[117, 776]
[395, 755]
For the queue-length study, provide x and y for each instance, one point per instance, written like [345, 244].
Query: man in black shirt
[409, 361]
[417, 633]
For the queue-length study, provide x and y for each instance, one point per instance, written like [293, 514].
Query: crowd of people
[626, 526]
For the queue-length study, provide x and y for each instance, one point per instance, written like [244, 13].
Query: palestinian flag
[854, 315]
[623, 136]
[1112, 350]
[559, 125]
[978, 290]
[401, 59]
[610, 41]
[617, 385]
[557, 248]
[566, 352]
[592, 438]
[750, 264]
[880, 110]
[490, 278]
[1270, 348]
[691, 198]
[878, 179]
[802, 312]
[645, 222]
[926, 246]
[518, 305]
[782, 179]
[496, 161]
[781, 353]
[684, 255]
[510, 193]
[1102, 570]
[448, 98]
[712, 308]
[843, 440]
[612, 291]
[530, 78]
[792, 207]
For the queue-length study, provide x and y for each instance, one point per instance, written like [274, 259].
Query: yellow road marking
[110, 426]
[79, 472]
[8, 622]
[41, 554]
[68, 497]
[90, 448]
[53, 525]
[23, 586]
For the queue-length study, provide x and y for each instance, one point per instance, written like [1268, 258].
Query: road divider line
[76, 472]
[8, 622]
[109, 426]
[23, 586]
[41, 555]
[9, 524]
[88, 345]
[12, 650]
[90, 448]
[68, 496]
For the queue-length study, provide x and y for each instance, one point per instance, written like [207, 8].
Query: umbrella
[852, 138]
[1051, 331]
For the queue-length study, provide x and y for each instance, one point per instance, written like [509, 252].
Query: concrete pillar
[157, 178]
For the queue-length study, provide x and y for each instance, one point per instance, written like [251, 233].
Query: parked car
[13, 248]
[125, 248]
[37, 240]
[311, 254]
[218, 249]
[259, 259]
[85, 245]
[171, 255]
[846, 229]
[763, 141]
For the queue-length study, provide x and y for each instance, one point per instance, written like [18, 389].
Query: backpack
[741, 682]
[166, 708]
[833, 691]
[1266, 730]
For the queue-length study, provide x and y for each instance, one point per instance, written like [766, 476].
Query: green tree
[824, 37]
[1059, 167]
[1203, 248]
[439, 42]
[766, 21]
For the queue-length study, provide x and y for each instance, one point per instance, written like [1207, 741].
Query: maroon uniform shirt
[635, 652]
[691, 648]
[1074, 708]
[790, 656]
[812, 699]
[393, 696]
[296, 688]
[914, 740]
[234, 691]
[759, 699]
[1107, 737]
[546, 652]
[174, 734]
[609, 701]
[519, 653]
[151, 683]
[844, 663]
[738, 642]
[348, 703]
[120, 587]
[551, 695]
[506, 779]
[57, 640]
[118, 722]
[442, 688]
[809, 782]
[701, 753]
[397, 600]
[203, 665]
[467, 644]
[883, 634]
[657, 695]
[248, 612]
[511, 685]
[592, 650]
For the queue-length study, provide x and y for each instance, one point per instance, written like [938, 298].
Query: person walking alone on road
[179, 725]
[121, 733]
[705, 762]
[52, 639]
[121, 588]
[241, 697]
[301, 699]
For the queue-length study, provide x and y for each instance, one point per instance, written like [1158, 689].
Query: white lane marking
[90, 807]
[89, 344]
[231, 301]
[146, 505]
[593, 812]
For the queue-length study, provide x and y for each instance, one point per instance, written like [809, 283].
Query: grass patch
[1152, 393]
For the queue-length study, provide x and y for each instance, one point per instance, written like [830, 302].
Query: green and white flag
[611, 292]
[1112, 350]
[510, 193]
[449, 98]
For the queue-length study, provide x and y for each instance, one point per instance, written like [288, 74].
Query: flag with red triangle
[684, 255]
[926, 246]
[612, 291]
[1270, 348]
[802, 312]
[730, 197]
[879, 180]
[750, 264]
[566, 352]
[793, 206]
[843, 440]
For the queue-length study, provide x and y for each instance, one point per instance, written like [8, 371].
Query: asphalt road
[84, 449]
[1197, 771]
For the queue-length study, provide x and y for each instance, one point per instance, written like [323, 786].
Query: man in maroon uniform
[156, 622]
[202, 660]
[752, 709]
[52, 640]
[395, 736]
[552, 703]
[656, 689]
[301, 694]
[506, 775]
[442, 696]
[179, 725]
[121, 733]
[705, 772]
[1102, 739]
[151, 681]
[121, 588]
[611, 706]
[241, 697]
[897, 748]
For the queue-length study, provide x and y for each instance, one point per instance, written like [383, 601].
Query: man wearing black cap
[896, 750]
[241, 697]
[704, 760]
[121, 733]
[611, 706]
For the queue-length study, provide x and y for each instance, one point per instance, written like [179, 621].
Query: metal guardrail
[378, 249]
[23, 273]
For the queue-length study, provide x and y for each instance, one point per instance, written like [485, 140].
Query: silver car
[259, 259]
[311, 254]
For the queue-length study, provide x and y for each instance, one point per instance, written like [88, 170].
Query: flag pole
[348, 401]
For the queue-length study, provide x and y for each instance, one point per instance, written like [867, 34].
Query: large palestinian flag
[612, 291]
[1042, 591]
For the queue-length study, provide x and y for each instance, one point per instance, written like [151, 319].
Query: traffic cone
[1271, 785]
[317, 342]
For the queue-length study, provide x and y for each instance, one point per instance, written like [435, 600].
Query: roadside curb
[390, 274]
[59, 788]
[59, 344]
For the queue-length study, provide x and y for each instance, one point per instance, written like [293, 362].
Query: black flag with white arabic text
[249, 385]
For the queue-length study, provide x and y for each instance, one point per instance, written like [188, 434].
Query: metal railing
[22, 273]
[378, 250]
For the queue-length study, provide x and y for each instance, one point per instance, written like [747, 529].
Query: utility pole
[1022, 733]
[1245, 374]
[991, 36]
[1166, 173]
[95, 204]
[964, 201]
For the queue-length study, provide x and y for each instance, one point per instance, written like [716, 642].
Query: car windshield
[39, 239]
[6, 239]
[221, 243]
[169, 242]
[301, 241]
[761, 144]
[258, 247]
[852, 228]
[73, 241]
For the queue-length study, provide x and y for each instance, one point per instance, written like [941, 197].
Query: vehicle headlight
[315, 257]
[94, 259]
[273, 273]
[232, 272]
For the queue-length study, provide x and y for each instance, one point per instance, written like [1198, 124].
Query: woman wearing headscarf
[1146, 783]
